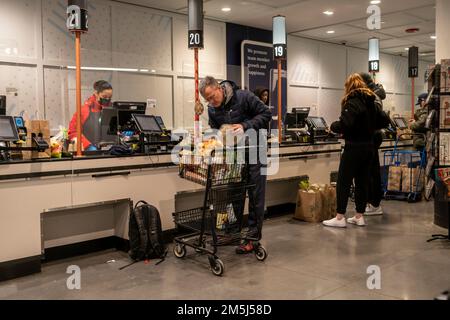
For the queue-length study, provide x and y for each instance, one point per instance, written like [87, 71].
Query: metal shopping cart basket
[404, 174]
[219, 221]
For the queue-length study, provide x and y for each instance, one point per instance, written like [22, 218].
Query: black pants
[375, 189]
[355, 164]
[256, 197]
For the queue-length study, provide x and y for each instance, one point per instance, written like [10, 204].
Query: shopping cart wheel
[179, 250]
[261, 253]
[217, 267]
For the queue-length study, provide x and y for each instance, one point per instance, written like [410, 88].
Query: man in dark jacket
[417, 125]
[375, 190]
[244, 111]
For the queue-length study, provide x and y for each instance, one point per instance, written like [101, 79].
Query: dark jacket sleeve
[259, 112]
[212, 121]
[382, 119]
[419, 125]
[347, 119]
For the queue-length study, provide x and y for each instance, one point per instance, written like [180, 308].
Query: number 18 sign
[374, 66]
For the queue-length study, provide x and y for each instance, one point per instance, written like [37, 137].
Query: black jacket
[239, 107]
[359, 119]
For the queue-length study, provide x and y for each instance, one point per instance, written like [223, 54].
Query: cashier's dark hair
[102, 85]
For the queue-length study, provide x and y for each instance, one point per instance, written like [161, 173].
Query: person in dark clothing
[244, 111]
[375, 189]
[263, 95]
[90, 115]
[358, 122]
[417, 125]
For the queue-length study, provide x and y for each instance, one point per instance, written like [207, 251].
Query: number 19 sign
[279, 51]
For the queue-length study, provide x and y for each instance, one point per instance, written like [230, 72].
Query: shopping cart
[404, 172]
[219, 221]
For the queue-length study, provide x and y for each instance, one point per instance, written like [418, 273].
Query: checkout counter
[52, 204]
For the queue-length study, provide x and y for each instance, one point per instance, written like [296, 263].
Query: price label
[195, 39]
[77, 19]
[413, 72]
[279, 51]
[374, 66]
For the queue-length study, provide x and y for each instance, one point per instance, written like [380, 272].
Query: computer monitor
[8, 130]
[301, 113]
[400, 122]
[318, 123]
[160, 122]
[147, 123]
[125, 111]
[108, 124]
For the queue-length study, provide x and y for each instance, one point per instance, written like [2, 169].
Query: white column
[442, 30]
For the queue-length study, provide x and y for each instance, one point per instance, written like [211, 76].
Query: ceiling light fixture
[330, 31]
[433, 37]
[226, 9]
[407, 49]
[328, 13]
[375, 2]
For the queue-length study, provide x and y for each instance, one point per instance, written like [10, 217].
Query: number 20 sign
[195, 39]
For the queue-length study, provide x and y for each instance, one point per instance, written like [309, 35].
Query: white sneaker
[373, 211]
[335, 223]
[359, 222]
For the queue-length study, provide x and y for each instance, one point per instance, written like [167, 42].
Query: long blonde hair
[355, 83]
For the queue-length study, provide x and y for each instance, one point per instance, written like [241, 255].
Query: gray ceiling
[305, 18]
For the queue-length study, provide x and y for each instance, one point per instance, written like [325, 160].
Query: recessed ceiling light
[383, 22]
[407, 49]
[330, 31]
[143, 70]
[328, 13]
[375, 2]
[433, 37]
[226, 9]
[153, 70]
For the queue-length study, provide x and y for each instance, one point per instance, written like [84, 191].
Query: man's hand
[237, 128]
[198, 108]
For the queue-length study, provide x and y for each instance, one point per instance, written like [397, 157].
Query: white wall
[36, 48]
[317, 73]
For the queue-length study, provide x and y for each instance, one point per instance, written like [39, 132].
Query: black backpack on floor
[145, 233]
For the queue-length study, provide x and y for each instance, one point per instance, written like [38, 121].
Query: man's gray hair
[208, 81]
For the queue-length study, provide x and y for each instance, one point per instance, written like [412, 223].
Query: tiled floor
[306, 261]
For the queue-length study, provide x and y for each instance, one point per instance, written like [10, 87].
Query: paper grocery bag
[309, 206]
[394, 178]
[329, 202]
[409, 180]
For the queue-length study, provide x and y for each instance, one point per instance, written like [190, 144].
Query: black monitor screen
[8, 130]
[401, 123]
[108, 123]
[147, 123]
[318, 122]
[160, 122]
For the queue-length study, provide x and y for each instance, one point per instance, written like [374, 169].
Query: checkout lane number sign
[374, 66]
[195, 39]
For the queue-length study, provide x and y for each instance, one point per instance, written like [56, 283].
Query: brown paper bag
[329, 202]
[394, 178]
[409, 180]
[309, 206]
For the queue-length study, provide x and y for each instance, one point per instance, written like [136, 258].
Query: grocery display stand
[438, 154]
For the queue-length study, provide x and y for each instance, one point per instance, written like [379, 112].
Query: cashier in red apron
[90, 116]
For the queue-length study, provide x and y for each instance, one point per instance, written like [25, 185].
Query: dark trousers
[256, 197]
[375, 189]
[355, 164]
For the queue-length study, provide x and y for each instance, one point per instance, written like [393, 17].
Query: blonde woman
[358, 122]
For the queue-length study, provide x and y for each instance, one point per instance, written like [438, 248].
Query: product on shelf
[444, 148]
[445, 112]
[445, 75]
